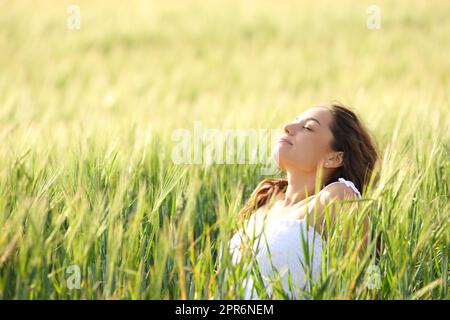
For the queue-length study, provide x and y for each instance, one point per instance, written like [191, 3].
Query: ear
[334, 160]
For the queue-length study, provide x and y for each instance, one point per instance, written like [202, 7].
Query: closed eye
[306, 120]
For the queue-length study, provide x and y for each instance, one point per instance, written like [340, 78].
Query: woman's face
[306, 142]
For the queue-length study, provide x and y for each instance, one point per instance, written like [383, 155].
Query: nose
[289, 129]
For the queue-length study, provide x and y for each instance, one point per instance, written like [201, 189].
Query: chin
[276, 156]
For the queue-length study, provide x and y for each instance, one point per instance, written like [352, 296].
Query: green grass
[86, 117]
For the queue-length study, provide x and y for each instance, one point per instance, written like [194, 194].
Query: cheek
[305, 154]
[307, 146]
[309, 150]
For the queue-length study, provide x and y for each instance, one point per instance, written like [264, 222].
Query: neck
[300, 186]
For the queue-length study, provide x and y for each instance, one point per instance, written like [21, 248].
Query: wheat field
[88, 185]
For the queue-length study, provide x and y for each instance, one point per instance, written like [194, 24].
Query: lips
[285, 140]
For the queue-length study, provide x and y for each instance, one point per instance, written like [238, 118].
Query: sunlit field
[92, 204]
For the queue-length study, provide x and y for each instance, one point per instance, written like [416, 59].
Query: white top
[295, 247]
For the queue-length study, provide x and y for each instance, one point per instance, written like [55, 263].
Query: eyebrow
[310, 118]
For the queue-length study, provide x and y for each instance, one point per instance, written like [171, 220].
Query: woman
[327, 145]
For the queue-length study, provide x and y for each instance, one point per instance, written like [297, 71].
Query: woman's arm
[332, 196]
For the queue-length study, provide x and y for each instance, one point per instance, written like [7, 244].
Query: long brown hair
[359, 158]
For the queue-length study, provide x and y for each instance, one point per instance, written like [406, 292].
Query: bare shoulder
[338, 191]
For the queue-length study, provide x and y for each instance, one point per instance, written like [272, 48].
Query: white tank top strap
[348, 183]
